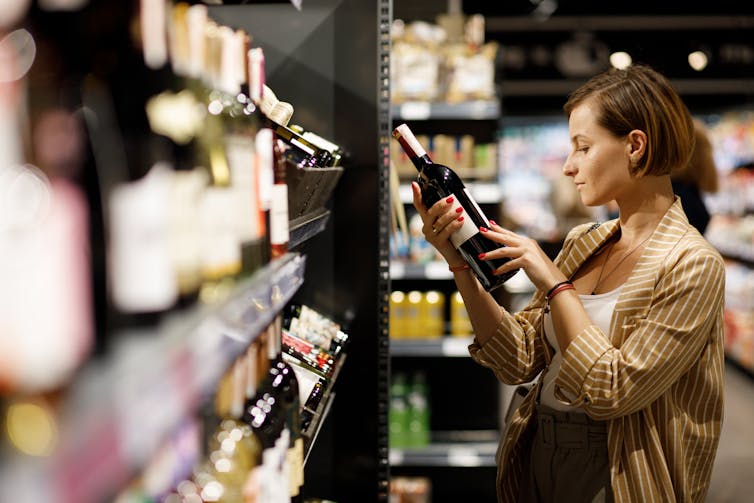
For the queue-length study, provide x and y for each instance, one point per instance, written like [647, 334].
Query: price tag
[396, 457]
[452, 346]
[437, 270]
[463, 456]
[415, 110]
[397, 270]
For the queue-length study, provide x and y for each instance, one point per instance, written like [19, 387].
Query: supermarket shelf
[320, 415]
[482, 192]
[451, 450]
[317, 422]
[307, 226]
[431, 270]
[118, 411]
[467, 110]
[448, 346]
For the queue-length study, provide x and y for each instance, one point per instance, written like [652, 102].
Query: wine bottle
[285, 380]
[437, 182]
[300, 151]
[279, 228]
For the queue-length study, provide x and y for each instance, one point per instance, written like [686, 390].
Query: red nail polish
[481, 255]
[493, 222]
[460, 219]
[483, 229]
[459, 209]
[449, 200]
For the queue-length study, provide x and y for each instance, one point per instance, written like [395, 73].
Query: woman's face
[599, 161]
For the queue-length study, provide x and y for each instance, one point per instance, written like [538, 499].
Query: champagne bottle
[437, 182]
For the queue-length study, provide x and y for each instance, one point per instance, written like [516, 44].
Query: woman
[625, 330]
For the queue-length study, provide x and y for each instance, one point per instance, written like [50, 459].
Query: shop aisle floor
[733, 472]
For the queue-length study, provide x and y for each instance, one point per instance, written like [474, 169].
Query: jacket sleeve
[518, 351]
[658, 347]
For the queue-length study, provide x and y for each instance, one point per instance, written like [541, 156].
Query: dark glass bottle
[437, 182]
[279, 229]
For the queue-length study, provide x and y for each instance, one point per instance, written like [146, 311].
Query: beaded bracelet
[458, 268]
[564, 285]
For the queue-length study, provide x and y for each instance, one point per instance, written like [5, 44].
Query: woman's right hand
[440, 221]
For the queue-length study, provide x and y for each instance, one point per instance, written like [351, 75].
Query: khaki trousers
[568, 461]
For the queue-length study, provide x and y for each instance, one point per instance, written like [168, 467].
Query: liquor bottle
[279, 229]
[285, 380]
[437, 182]
[307, 323]
[233, 450]
[275, 411]
[300, 151]
[335, 151]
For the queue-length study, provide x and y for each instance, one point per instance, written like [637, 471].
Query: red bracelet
[560, 287]
[457, 268]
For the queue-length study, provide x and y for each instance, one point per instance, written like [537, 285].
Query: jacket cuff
[578, 359]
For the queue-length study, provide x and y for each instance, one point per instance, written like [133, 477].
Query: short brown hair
[639, 97]
[701, 170]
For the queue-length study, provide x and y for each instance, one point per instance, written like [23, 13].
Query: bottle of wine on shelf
[279, 229]
[437, 182]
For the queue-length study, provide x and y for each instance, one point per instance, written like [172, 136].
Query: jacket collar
[673, 225]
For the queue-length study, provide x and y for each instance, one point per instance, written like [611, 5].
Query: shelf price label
[463, 456]
[416, 110]
[455, 346]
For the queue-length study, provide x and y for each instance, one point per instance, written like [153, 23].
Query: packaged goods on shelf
[409, 416]
[410, 490]
[417, 314]
[428, 63]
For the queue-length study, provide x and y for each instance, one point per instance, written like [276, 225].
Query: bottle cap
[267, 101]
[281, 113]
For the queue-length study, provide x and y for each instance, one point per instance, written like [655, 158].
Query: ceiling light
[620, 60]
[698, 60]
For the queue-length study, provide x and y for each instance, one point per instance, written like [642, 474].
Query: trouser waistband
[571, 430]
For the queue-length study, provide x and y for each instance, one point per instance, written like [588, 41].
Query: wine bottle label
[279, 231]
[469, 228]
[240, 155]
[301, 345]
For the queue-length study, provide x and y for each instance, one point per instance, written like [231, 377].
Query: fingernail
[483, 229]
[449, 200]
[481, 255]
[460, 219]
[459, 210]
[493, 222]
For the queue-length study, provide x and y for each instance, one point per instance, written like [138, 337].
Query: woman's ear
[637, 146]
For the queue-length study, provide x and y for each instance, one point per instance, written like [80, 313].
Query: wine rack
[121, 408]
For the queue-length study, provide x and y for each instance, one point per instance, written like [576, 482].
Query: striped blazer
[656, 378]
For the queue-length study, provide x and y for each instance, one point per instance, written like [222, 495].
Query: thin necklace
[607, 257]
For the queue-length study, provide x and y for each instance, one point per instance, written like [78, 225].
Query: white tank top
[600, 309]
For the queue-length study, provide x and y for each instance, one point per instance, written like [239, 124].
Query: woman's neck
[639, 216]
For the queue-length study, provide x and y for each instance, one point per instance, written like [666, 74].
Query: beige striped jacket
[656, 378]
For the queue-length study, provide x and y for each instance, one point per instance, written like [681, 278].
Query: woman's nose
[568, 167]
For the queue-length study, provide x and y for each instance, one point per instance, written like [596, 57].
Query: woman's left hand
[524, 253]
